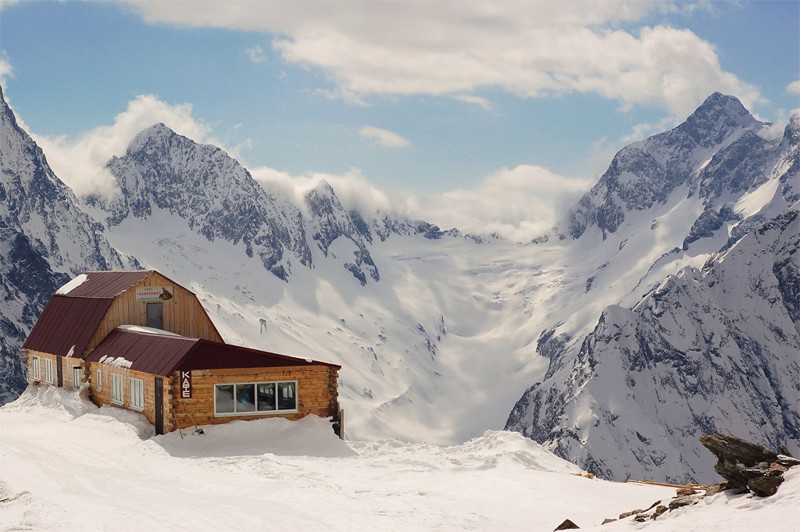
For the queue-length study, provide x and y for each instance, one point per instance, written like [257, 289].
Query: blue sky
[420, 99]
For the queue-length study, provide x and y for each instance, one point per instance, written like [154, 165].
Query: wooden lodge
[145, 343]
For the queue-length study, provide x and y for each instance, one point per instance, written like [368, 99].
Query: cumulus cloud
[383, 137]
[352, 188]
[80, 161]
[518, 203]
[794, 87]
[532, 49]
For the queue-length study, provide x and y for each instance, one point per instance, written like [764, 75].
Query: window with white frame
[137, 393]
[48, 370]
[116, 389]
[250, 398]
[35, 369]
[99, 382]
[77, 376]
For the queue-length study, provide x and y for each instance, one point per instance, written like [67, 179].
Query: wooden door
[159, 405]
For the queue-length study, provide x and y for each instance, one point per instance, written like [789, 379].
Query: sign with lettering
[154, 294]
[186, 384]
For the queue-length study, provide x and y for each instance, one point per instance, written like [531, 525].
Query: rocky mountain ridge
[705, 350]
[45, 238]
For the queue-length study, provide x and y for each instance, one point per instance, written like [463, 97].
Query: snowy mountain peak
[719, 139]
[216, 195]
[718, 118]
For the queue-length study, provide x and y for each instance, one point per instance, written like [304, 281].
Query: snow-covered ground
[67, 465]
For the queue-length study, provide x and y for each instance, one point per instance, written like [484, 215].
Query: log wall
[183, 314]
[67, 364]
[102, 396]
[317, 393]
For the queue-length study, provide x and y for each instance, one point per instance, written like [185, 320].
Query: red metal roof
[107, 284]
[161, 354]
[214, 355]
[148, 352]
[67, 322]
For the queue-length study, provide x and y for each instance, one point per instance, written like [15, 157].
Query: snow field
[67, 465]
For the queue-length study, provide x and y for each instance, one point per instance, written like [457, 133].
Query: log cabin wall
[317, 393]
[41, 357]
[183, 314]
[101, 388]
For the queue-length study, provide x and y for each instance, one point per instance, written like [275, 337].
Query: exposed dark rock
[566, 525]
[745, 465]
[623, 515]
[660, 509]
[680, 502]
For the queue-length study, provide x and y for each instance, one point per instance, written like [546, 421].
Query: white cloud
[256, 54]
[474, 100]
[532, 49]
[80, 162]
[519, 203]
[5, 3]
[352, 188]
[383, 137]
[794, 87]
[6, 70]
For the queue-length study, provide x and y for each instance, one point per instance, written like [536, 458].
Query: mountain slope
[647, 172]
[675, 356]
[212, 192]
[45, 238]
[706, 351]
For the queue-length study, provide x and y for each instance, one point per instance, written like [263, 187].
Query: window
[137, 393]
[255, 397]
[48, 370]
[76, 376]
[35, 368]
[99, 384]
[116, 389]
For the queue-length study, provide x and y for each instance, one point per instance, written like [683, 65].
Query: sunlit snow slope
[99, 474]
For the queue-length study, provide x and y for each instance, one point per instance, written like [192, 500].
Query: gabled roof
[76, 310]
[163, 354]
[67, 323]
[106, 285]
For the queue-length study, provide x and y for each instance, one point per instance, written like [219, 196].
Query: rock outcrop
[745, 465]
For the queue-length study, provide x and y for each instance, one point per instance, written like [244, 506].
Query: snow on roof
[148, 330]
[72, 285]
[116, 361]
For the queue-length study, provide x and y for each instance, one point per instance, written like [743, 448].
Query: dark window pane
[223, 393]
[245, 397]
[266, 396]
[287, 396]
